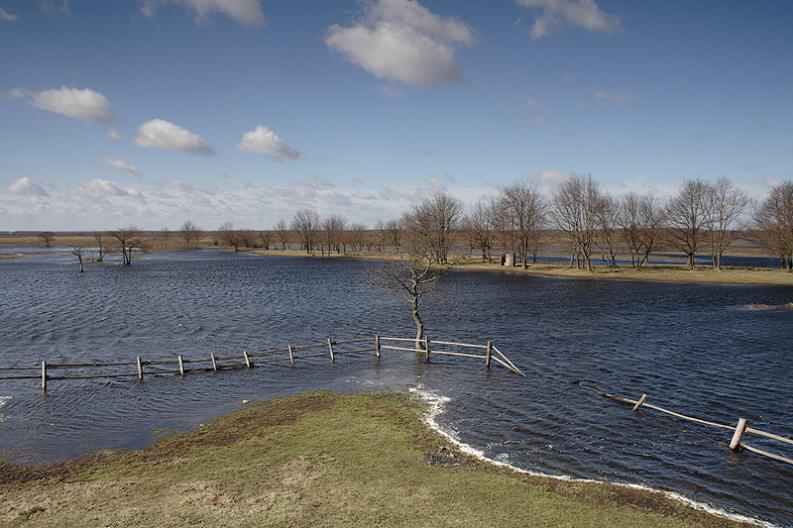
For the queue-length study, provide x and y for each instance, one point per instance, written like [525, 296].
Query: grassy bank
[317, 460]
[701, 275]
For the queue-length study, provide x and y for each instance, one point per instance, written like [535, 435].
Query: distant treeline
[701, 218]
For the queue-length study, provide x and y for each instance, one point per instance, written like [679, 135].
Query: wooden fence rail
[332, 348]
[738, 431]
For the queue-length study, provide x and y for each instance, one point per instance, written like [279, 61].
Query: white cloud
[265, 142]
[24, 187]
[17, 93]
[401, 40]
[159, 133]
[555, 14]
[98, 189]
[247, 12]
[87, 105]
[771, 181]
[5, 15]
[611, 97]
[53, 8]
[549, 176]
[112, 133]
[123, 167]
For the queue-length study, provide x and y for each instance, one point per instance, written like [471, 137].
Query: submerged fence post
[427, 347]
[488, 354]
[214, 361]
[139, 363]
[640, 402]
[735, 443]
[181, 365]
[330, 349]
[247, 359]
[291, 355]
[44, 376]
[377, 346]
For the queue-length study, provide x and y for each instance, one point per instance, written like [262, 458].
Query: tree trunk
[417, 320]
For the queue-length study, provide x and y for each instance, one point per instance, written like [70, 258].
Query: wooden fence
[330, 348]
[738, 431]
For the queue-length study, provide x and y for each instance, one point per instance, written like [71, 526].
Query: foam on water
[436, 405]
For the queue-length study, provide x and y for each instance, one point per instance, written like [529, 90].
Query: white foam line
[436, 406]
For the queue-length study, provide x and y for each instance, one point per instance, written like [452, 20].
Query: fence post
[377, 345]
[488, 354]
[735, 443]
[330, 349]
[247, 359]
[181, 365]
[214, 361]
[44, 376]
[640, 402]
[427, 346]
[140, 368]
[291, 355]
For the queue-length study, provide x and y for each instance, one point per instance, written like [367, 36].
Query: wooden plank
[291, 355]
[457, 354]
[452, 343]
[736, 436]
[37, 376]
[398, 339]
[769, 435]
[214, 361]
[488, 354]
[44, 376]
[140, 368]
[377, 346]
[640, 402]
[774, 456]
[181, 365]
[246, 358]
[330, 349]
[389, 347]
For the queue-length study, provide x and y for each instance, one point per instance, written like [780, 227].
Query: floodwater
[699, 349]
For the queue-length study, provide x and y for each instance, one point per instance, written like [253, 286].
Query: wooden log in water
[246, 358]
[214, 361]
[330, 349]
[377, 346]
[140, 368]
[44, 376]
[181, 365]
[640, 402]
[291, 355]
[735, 443]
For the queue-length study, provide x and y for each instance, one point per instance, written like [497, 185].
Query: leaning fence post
[377, 345]
[291, 355]
[330, 349]
[735, 443]
[427, 347]
[640, 402]
[44, 376]
[247, 359]
[488, 354]
[214, 361]
[181, 365]
[140, 368]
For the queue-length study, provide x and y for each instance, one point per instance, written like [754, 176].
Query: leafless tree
[641, 221]
[607, 238]
[282, 233]
[686, 217]
[483, 224]
[723, 206]
[774, 223]
[433, 225]
[264, 239]
[574, 212]
[356, 235]
[306, 223]
[191, 233]
[128, 240]
[229, 236]
[78, 252]
[394, 230]
[524, 208]
[47, 237]
[103, 246]
[333, 228]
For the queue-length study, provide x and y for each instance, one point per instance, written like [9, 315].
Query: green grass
[317, 459]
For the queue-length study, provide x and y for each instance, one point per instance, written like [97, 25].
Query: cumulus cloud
[265, 142]
[611, 97]
[247, 12]
[123, 167]
[162, 134]
[24, 187]
[84, 104]
[553, 15]
[401, 40]
[5, 15]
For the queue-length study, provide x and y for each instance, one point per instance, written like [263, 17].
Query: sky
[154, 112]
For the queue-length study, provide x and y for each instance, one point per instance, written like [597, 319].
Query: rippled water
[699, 349]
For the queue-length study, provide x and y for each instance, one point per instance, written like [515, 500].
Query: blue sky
[152, 112]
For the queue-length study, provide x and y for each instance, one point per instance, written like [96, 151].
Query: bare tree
[103, 247]
[482, 223]
[433, 225]
[524, 207]
[394, 230]
[641, 221]
[306, 223]
[47, 237]
[229, 236]
[774, 223]
[606, 213]
[191, 233]
[574, 212]
[686, 216]
[282, 233]
[264, 239]
[723, 205]
[356, 235]
[78, 252]
[333, 228]
[128, 240]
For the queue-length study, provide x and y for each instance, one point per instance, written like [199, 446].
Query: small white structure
[508, 259]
